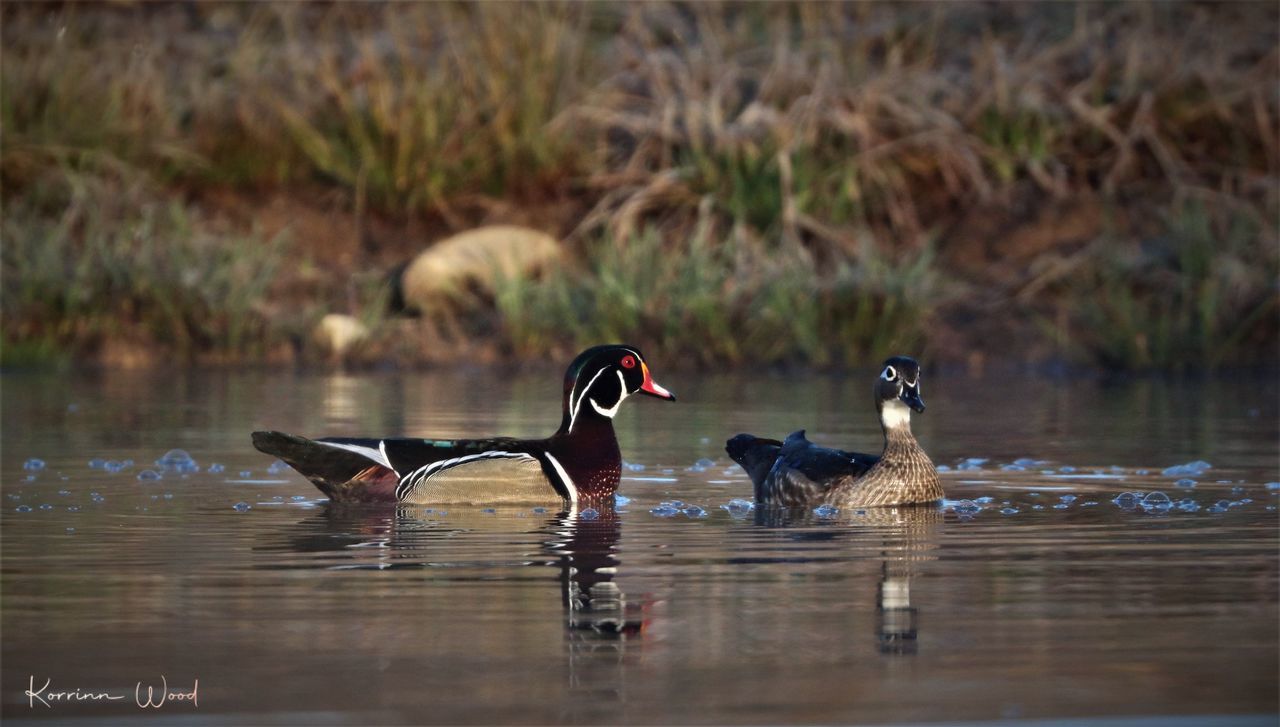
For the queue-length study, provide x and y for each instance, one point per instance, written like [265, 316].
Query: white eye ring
[889, 373]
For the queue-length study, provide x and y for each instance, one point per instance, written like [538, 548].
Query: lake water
[1047, 600]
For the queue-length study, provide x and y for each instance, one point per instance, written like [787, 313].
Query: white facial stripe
[895, 414]
[575, 406]
[622, 394]
[378, 455]
[571, 488]
[889, 373]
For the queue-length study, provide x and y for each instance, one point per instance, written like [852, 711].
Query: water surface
[1030, 594]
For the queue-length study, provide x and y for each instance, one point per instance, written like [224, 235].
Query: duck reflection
[599, 620]
[904, 537]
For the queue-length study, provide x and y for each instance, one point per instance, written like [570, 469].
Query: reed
[796, 173]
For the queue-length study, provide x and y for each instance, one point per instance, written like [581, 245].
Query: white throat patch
[622, 394]
[895, 414]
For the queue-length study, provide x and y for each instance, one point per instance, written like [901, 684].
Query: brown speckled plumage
[903, 476]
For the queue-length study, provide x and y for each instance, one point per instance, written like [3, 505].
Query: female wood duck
[798, 472]
[579, 463]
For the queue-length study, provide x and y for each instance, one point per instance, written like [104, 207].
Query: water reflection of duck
[583, 549]
[906, 535]
[798, 472]
[600, 623]
[580, 463]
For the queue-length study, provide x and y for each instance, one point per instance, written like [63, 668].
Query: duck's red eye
[628, 362]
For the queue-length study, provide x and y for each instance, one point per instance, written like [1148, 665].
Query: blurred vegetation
[813, 183]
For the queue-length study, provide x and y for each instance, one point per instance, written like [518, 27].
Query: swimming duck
[580, 463]
[799, 472]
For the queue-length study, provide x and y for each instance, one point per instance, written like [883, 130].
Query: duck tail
[755, 454]
[343, 474]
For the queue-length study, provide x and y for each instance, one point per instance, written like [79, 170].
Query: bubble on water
[168, 495]
[984, 500]
[590, 514]
[1046, 472]
[1237, 503]
[46, 506]
[677, 504]
[632, 467]
[14, 496]
[97, 497]
[1068, 469]
[216, 468]
[826, 511]
[1156, 502]
[705, 440]
[64, 493]
[1190, 469]
[242, 507]
[620, 500]
[738, 507]
[1185, 482]
[1188, 505]
[539, 510]
[694, 511]
[22, 508]
[73, 508]
[665, 510]
[1027, 462]
[1061, 506]
[1127, 500]
[1273, 486]
[113, 466]
[277, 467]
[1091, 503]
[1009, 511]
[972, 463]
[1246, 500]
[705, 463]
[488, 511]
[966, 507]
[298, 498]
[1037, 507]
[1237, 490]
[667, 471]
[1013, 468]
[1033, 494]
[943, 468]
[97, 463]
[177, 460]
[246, 473]
[33, 465]
[1068, 498]
[149, 475]
[31, 478]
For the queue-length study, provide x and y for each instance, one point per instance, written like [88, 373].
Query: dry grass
[781, 149]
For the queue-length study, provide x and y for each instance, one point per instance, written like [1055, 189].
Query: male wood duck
[580, 463]
[799, 472]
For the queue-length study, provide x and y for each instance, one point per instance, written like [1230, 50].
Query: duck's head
[601, 377]
[897, 391]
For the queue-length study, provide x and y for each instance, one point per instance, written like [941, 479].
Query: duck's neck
[588, 452]
[904, 473]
